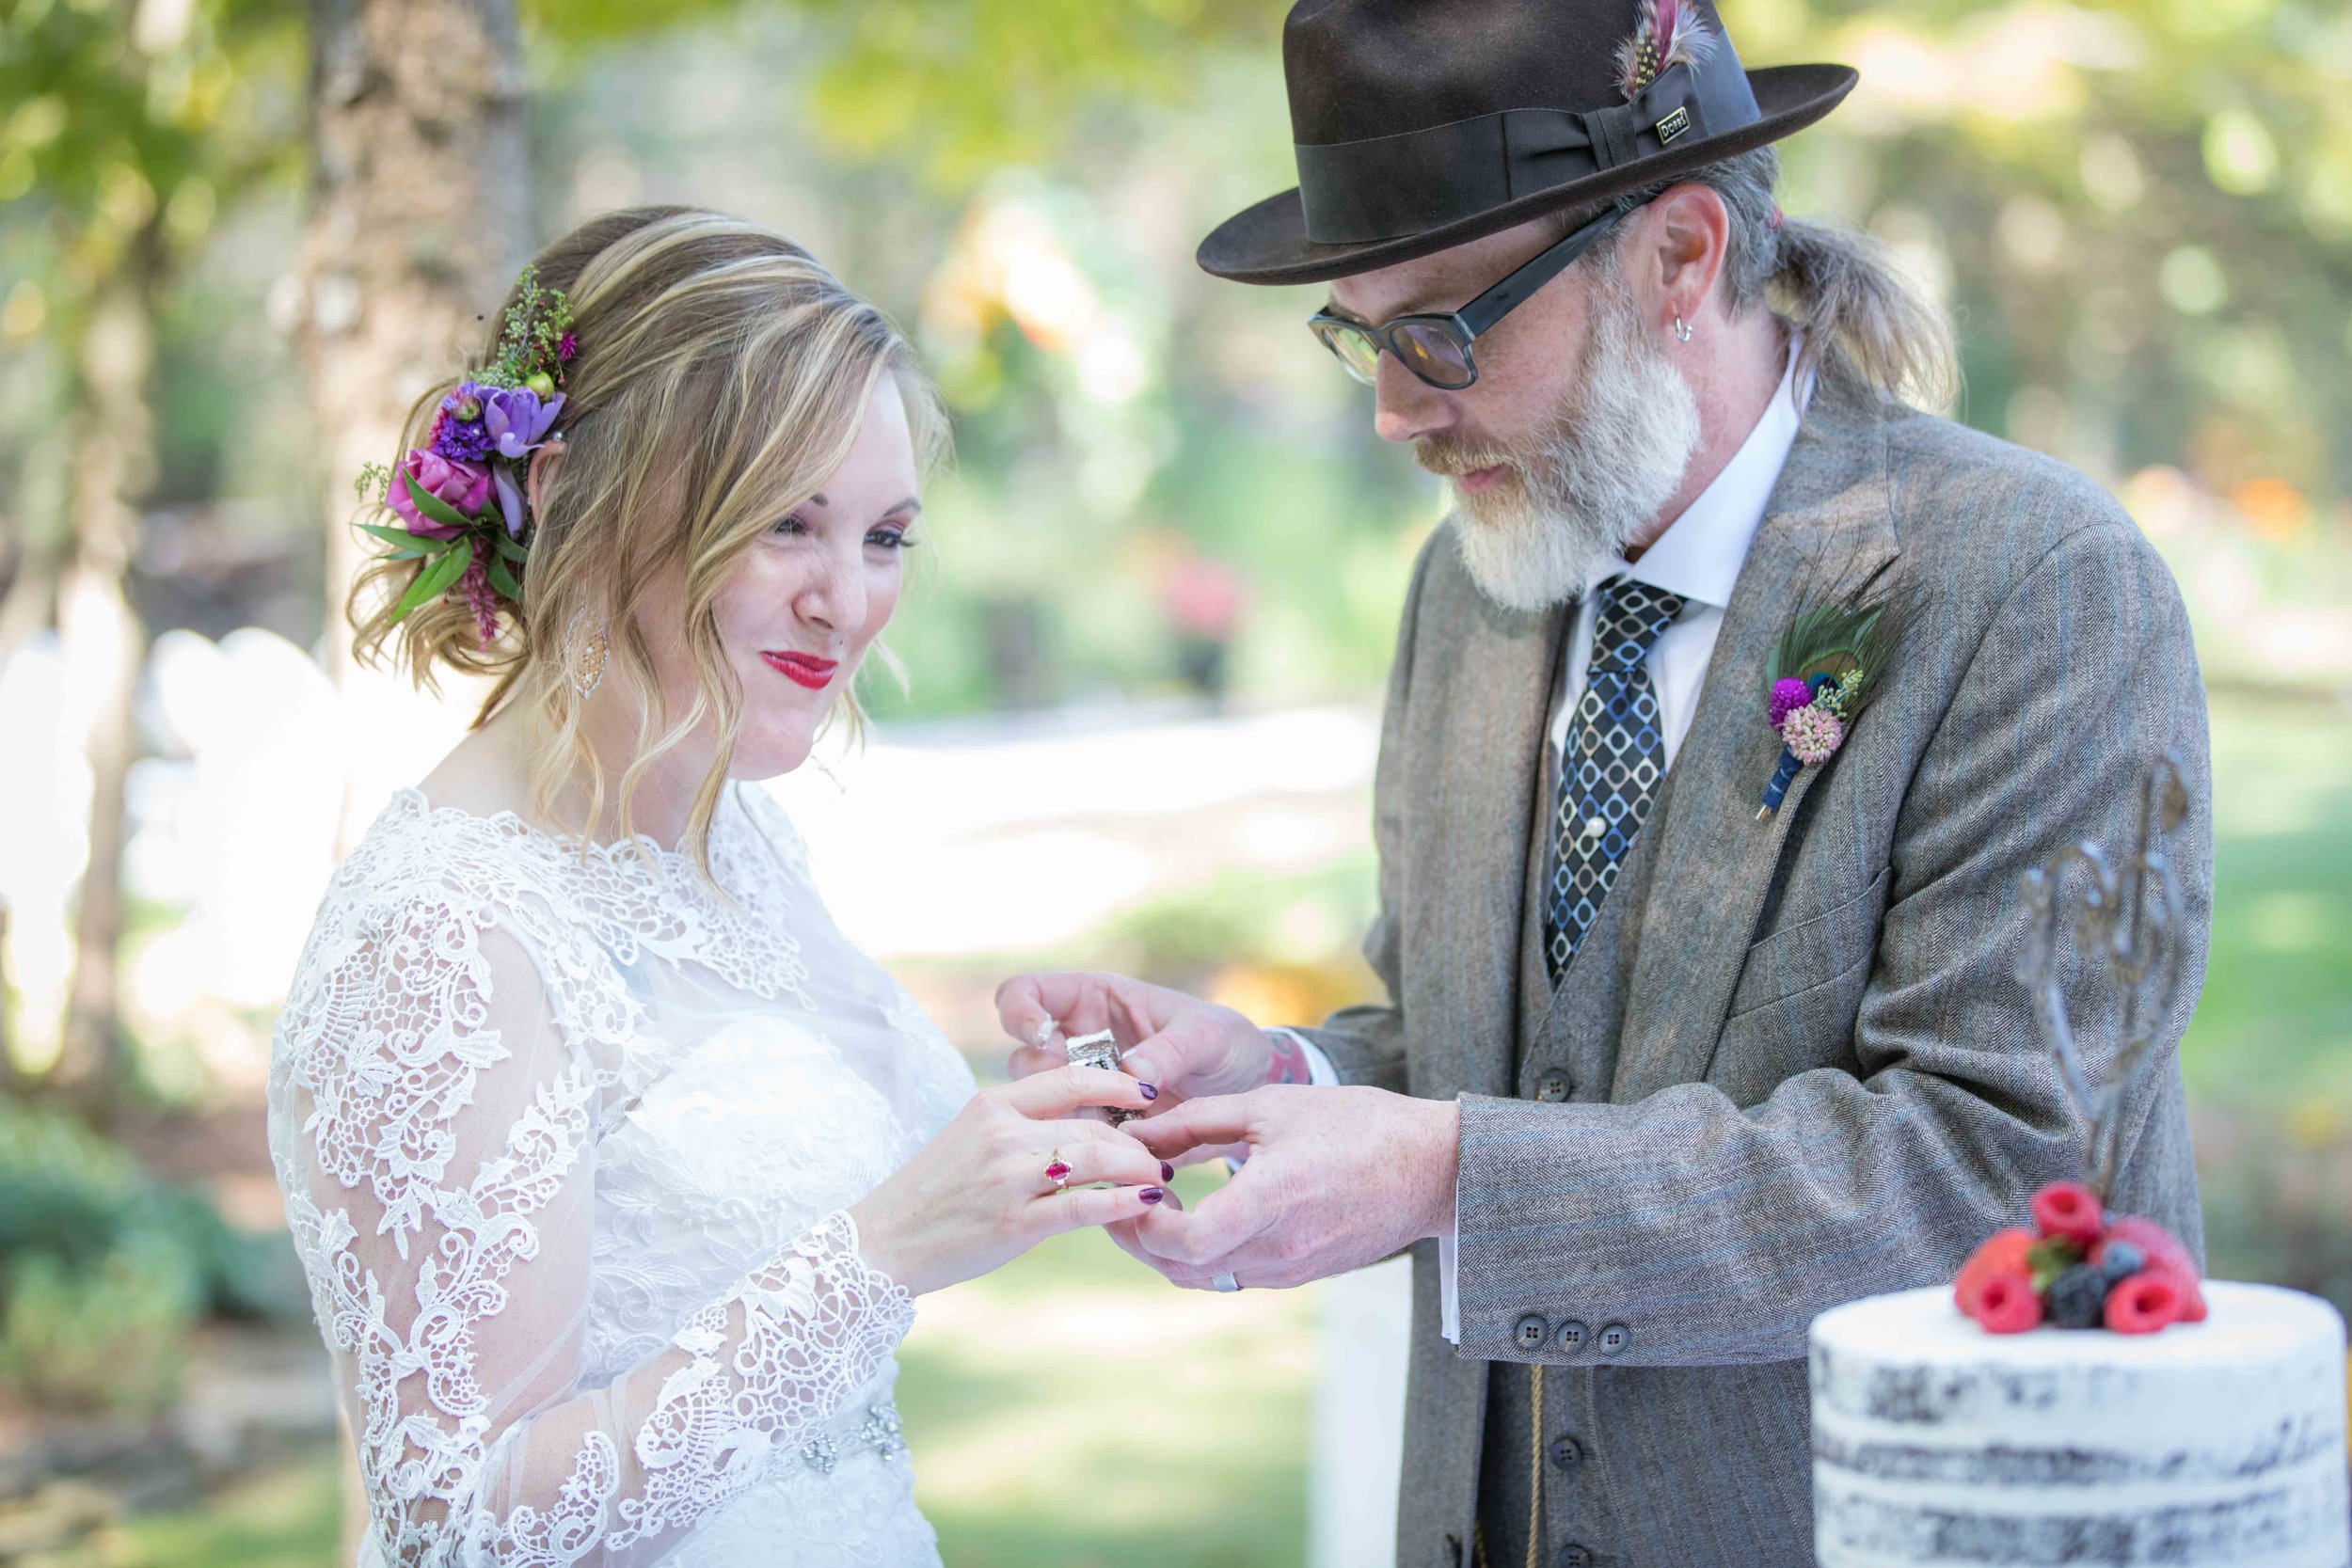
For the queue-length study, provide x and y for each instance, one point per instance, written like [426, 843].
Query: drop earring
[1682, 333]
[583, 656]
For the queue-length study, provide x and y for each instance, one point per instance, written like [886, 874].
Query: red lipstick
[806, 669]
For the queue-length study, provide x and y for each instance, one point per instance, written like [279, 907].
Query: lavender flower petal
[509, 499]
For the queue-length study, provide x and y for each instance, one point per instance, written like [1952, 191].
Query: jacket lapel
[1829, 521]
[1497, 697]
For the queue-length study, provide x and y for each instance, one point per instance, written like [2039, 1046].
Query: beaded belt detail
[879, 1431]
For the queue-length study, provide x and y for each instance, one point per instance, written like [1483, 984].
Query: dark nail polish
[1152, 1194]
[1151, 1091]
[1168, 1172]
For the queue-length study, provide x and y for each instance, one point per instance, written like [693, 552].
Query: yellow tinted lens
[1354, 348]
[1431, 353]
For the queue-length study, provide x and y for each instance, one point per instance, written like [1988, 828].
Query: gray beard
[1606, 462]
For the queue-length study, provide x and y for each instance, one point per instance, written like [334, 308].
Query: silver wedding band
[1225, 1282]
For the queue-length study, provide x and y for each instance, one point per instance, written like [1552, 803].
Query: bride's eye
[891, 539]
[790, 524]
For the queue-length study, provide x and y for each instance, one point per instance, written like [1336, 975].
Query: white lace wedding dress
[566, 1139]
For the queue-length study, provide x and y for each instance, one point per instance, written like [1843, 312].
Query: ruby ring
[1058, 1172]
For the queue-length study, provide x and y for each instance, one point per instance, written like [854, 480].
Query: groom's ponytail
[1861, 313]
[1862, 318]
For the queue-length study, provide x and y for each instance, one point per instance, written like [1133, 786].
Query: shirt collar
[1699, 555]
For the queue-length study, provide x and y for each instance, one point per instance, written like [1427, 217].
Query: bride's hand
[978, 1196]
[1190, 1048]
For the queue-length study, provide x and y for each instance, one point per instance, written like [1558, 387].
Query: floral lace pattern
[567, 1137]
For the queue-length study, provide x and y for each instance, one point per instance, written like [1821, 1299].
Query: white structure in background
[1024, 832]
[242, 834]
[238, 826]
[1357, 1425]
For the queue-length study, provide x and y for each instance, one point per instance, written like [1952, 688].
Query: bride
[614, 1167]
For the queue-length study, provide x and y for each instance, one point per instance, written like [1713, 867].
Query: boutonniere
[1825, 668]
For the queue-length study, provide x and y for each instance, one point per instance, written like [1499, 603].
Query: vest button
[1566, 1452]
[1614, 1337]
[1574, 1556]
[1553, 1087]
[1531, 1332]
[1571, 1337]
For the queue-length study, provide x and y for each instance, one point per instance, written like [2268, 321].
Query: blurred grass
[287, 1520]
[2273, 1031]
[1070, 1410]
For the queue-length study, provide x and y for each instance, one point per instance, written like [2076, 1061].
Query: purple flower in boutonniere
[1789, 694]
[1827, 666]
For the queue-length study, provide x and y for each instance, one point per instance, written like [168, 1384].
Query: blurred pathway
[1015, 834]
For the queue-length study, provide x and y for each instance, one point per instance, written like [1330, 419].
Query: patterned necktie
[1609, 771]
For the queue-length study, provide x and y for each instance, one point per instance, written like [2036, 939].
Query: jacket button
[1574, 1556]
[1566, 1452]
[1614, 1337]
[1531, 1332]
[1571, 1337]
[1553, 1087]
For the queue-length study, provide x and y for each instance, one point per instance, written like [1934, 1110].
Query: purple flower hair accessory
[479, 446]
[517, 420]
[464, 485]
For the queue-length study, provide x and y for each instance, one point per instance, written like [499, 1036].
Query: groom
[1659, 1080]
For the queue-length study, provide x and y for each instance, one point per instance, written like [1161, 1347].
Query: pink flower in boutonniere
[1813, 733]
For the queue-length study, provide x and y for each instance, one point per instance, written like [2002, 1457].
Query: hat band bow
[1392, 187]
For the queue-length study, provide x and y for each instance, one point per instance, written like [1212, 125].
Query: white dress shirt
[1698, 557]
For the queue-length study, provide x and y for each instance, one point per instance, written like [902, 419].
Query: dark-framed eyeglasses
[1437, 348]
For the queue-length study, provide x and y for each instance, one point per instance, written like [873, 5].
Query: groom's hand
[1337, 1178]
[1186, 1047]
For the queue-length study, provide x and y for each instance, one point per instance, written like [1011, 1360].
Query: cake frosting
[2206, 1444]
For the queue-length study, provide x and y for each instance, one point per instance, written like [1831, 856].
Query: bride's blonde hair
[721, 377]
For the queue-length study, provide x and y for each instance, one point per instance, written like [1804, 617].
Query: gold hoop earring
[584, 657]
[1682, 333]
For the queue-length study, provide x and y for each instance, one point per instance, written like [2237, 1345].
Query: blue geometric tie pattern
[1615, 759]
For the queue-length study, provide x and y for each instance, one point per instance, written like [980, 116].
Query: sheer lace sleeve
[433, 1113]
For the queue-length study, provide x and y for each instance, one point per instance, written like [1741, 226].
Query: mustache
[1450, 460]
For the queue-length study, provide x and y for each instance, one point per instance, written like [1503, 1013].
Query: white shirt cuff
[1449, 1264]
[1320, 1073]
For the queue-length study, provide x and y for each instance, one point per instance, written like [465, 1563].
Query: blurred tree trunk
[420, 218]
[113, 432]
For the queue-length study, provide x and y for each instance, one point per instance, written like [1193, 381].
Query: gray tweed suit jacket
[1791, 1064]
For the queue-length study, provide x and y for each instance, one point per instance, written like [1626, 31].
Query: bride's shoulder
[427, 874]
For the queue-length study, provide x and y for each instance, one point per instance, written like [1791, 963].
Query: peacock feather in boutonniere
[1825, 668]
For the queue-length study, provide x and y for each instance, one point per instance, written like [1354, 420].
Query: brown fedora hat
[1421, 125]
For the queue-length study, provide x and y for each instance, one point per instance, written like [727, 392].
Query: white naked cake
[2210, 1443]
